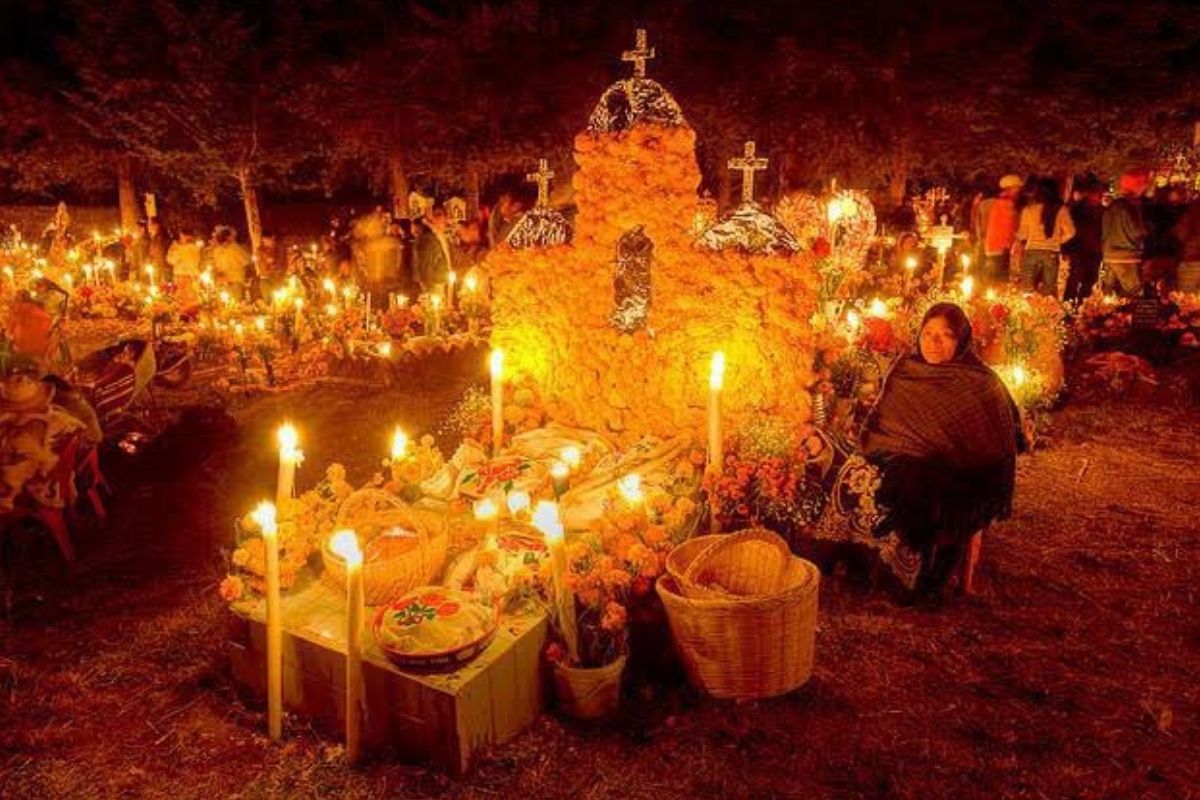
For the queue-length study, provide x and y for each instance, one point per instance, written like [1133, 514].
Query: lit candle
[451, 280]
[852, 324]
[264, 515]
[398, 452]
[910, 267]
[560, 476]
[290, 457]
[546, 520]
[436, 302]
[496, 367]
[968, 285]
[299, 315]
[518, 504]
[878, 308]
[470, 284]
[571, 456]
[487, 512]
[716, 380]
[965, 261]
[345, 545]
[630, 488]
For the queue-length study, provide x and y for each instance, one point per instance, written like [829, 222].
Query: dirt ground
[1076, 673]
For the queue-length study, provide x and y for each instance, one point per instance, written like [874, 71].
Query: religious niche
[631, 285]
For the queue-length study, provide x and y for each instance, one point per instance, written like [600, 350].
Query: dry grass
[1075, 674]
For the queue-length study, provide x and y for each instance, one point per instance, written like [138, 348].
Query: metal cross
[748, 165]
[640, 55]
[542, 179]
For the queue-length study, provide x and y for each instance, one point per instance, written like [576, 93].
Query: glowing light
[288, 439]
[910, 263]
[545, 519]
[496, 363]
[990, 294]
[470, 284]
[344, 544]
[486, 509]
[264, 517]
[878, 308]
[260, 322]
[716, 371]
[1018, 376]
[329, 285]
[965, 261]
[517, 502]
[571, 456]
[385, 349]
[835, 210]
[399, 444]
[452, 277]
[630, 488]
[853, 320]
[968, 286]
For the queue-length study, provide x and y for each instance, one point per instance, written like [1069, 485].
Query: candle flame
[965, 260]
[545, 519]
[470, 283]
[399, 444]
[486, 509]
[910, 263]
[385, 349]
[1018, 375]
[517, 502]
[716, 372]
[835, 210]
[630, 487]
[571, 457]
[452, 277]
[559, 469]
[289, 440]
[330, 286]
[344, 544]
[264, 515]
[496, 363]
[968, 286]
[878, 308]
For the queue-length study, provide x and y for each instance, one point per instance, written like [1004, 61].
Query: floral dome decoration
[751, 230]
[636, 100]
[632, 101]
[540, 227]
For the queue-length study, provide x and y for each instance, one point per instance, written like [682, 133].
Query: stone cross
[542, 179]
[748, 165]
[640, 55]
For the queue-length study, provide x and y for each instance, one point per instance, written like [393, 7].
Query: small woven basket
[748, 563]
[373, 512]
[747, 647]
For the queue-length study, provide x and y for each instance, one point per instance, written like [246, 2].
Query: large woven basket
[747, 647]
[745, 563]
[372, 513]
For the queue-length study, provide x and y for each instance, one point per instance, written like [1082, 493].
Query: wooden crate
[440, 719]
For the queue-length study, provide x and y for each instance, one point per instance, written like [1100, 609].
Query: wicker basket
[748, 563]
[372, 512]
[747, 647]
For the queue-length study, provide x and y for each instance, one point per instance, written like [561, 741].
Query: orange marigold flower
[232, 588]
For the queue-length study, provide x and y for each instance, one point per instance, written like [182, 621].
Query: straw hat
[1011, 182]
[24, 394]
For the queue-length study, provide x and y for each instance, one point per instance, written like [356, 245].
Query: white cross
[542, 179]
[748, 165]
[640, 55]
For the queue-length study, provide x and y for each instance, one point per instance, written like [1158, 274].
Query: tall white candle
[290, 456]
[496, 365]
[546, 520]
[265, 516]
[716, 380]
[345, 545]
[716, 448]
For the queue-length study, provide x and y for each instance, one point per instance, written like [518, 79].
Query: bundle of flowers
[471, 418]
[769, 479]
[304, 523]
[1105, 321]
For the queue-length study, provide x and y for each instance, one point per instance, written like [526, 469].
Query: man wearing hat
[1000, 230]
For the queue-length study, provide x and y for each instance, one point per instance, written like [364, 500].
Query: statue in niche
[631, 286]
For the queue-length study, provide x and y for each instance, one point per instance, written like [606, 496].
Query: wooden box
[435, 718]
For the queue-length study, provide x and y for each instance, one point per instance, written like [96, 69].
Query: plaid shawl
[946, 439]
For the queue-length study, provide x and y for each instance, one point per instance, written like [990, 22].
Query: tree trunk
[398, 183]
[250, 201]
[473, 191]
[126, 196]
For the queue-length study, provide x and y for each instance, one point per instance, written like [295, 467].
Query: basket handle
[694, 569]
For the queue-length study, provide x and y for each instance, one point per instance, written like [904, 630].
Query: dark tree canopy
[317, 95]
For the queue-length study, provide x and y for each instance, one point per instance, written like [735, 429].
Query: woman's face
[938, 343]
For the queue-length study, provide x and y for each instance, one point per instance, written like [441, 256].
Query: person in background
[157, 245]
[1000, 230]
[230, 261]
[503, 217]
[1045, 225]
[1084, 249]
[1123, 236]
[1187, 235]
[433, 257]
[184, 259]
[944, 434]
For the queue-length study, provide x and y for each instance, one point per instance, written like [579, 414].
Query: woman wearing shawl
[945, 434]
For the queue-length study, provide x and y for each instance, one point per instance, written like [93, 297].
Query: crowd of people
[385, 253]
[1126, 242]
